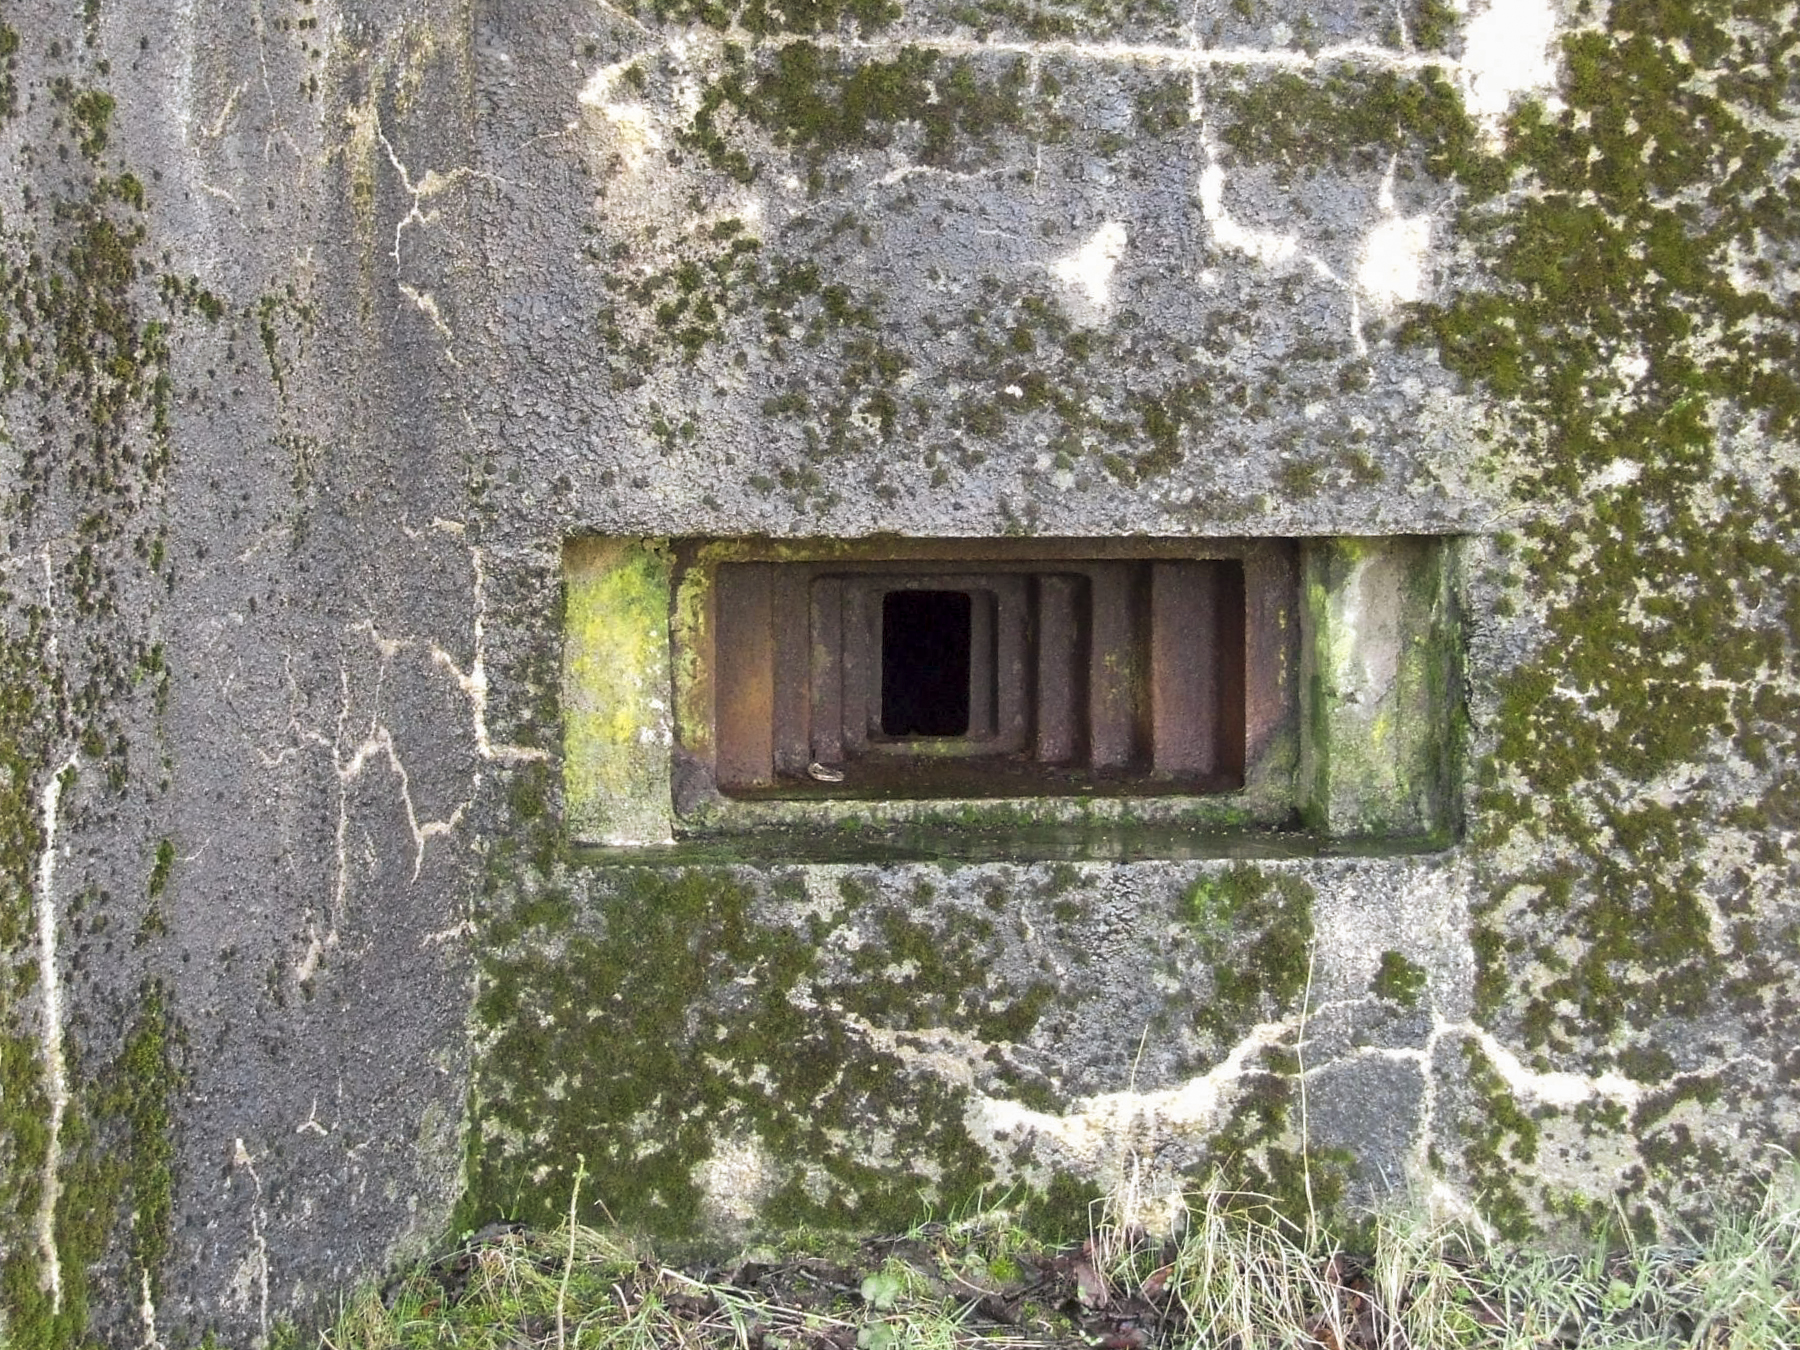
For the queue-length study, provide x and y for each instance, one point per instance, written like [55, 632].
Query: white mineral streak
[1090, 268]
[1109, 1135]
[1392, 270]
[474, 683]
[1506, 54]
[147, 1310]
[56, 1071]
[352, 754]
[250, 1281]
[1265, 246]
[1552, 1089]
[1097, 1128]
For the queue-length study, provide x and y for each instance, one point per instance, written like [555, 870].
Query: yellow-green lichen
[617, 691]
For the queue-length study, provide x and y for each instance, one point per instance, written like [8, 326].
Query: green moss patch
[768, 17]
[696, 1009]
[1355, 117]
[1254, 929]
[89, 322]
[819, 102]
[1399, 981]
[1637, 337]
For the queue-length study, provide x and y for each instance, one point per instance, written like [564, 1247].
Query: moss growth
[274, 311]
[1657, 208]
[819, 102]
[1255, 930]
[695, 1010]
[85, 360]
[161, 868]
[1399, 981]
[1430, 24]
[945, 961]
[1259, 1156]
[1359, 117]
[1498, 1140]
[9, 66]
[117, 1183]
[691, 299]
[90, 110]
[768, 17]
[714, 291]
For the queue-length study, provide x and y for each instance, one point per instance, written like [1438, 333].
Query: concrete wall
[327, 325]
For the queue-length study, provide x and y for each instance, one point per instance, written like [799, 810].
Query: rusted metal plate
[1114, 678]
[826, 651]
[860, 661]
[1132, 672]
[1271, 645]
[746, 676]
[1062, 657]
[984, 617]
[791, 618]
[1197, 670]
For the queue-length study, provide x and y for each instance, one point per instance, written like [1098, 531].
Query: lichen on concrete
[618, 718]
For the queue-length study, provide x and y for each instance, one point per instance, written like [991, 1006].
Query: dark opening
[925, 663]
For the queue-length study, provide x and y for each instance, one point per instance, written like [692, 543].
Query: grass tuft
[1237, 1276]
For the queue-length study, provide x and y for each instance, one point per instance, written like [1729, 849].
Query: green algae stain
[617, 691]
[1383, 702]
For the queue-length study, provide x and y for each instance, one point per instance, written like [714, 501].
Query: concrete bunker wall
[329, 325]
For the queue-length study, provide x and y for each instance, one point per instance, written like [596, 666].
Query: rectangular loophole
[925, 666]
[724, 686]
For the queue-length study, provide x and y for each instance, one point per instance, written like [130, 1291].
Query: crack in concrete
[426, 303]
[349, 761]
[352, 755]
[252, 1274]
[1099, 1125]
[431, 185]
[474, 683]
[259, 26]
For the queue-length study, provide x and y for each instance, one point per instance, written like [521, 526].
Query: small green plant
[1399, 980]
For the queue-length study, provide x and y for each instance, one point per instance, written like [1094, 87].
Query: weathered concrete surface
[423, 289]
